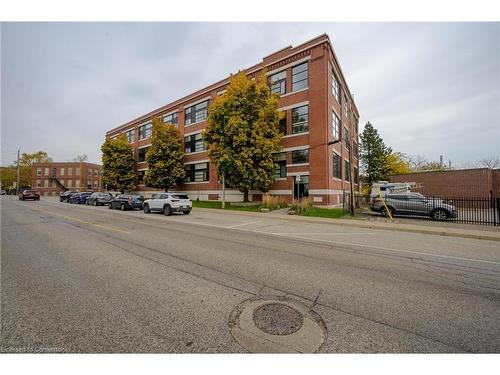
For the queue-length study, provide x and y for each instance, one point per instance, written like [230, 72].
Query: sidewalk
[491, 234]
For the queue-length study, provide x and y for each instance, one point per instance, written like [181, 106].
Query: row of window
[337, 169]
[336, 95]
[63, 171]
[198, 172]
[300, 79]
[67, 183]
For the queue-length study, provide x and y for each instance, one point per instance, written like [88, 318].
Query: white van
[386, 187]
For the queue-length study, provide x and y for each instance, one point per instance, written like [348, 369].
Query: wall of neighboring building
[72, 175]
[455, 183]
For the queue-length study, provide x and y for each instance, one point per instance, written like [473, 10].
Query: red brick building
[319, 110]
[53, 178]
[455, 183]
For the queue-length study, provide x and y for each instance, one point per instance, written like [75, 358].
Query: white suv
[168, 203]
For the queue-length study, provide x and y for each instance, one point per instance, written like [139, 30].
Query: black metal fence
[466, 210]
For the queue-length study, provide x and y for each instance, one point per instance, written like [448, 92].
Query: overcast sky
[430, 89]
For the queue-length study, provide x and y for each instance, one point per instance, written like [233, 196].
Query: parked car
[3, 192]
[80, 198]
[126, 202]
[168, 203]
[29, 194]
[99, 199]
[64, 196]
[414, 204]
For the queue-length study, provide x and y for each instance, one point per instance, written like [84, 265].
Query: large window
[280, 160]
[346, 112]
[196, 113]
[171, 118]
[39, 171]
[197, 172]
[299, 77]
[193, 143]
[278, 83]
[145, 130]
[347, 142]
[335, 127]
[335, 87]
[347, 174]
[141, 155]
[130, 136]
[300, 119]
[282, 124]
[337, 166]
[300, 156]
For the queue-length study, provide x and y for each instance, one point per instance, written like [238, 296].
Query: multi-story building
[53, 178]
[320, 128]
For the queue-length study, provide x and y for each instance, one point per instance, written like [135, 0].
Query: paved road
[85, 279]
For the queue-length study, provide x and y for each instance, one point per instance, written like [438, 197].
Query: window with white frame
[39, 171]
[299, 77]
[300, 119]
[46, 171]
[335, 87]
[347, 142]
[335, 126]
[145, 130]
[347, 171]
[196, 113]
[141, 154]
[337, 166]
[280, 160]
[346, 111]
[278, 83]
[172, 118]
[62, 172]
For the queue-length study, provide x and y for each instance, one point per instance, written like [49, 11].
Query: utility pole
[18, 179]
[223, 192]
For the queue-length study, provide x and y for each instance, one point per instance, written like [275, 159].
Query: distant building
[319, 109]
[53, 178]
[455, 183]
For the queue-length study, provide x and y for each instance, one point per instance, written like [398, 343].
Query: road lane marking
[107, 227]
[323, 234]
[242, 224]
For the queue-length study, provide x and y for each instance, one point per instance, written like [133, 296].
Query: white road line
[383, 248]
[240, 225]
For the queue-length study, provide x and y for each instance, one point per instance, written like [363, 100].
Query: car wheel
[167, 211]
[186, 212]
[439, 214]
[110, 206]
[95, 203]
[146, 209]
[122, 207]
[385, 211]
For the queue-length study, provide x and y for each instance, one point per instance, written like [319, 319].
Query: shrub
[273, 202]
[302, 206]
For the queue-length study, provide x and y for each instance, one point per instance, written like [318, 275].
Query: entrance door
[301, 186]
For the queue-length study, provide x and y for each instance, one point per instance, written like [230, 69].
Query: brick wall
[457, 183]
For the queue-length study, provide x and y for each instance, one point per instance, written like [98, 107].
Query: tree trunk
[166, 189]
[245, 195]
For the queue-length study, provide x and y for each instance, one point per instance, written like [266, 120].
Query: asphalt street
[89, 279]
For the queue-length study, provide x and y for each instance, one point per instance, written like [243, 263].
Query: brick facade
[48, 178]
[314, 95]
[455, 183]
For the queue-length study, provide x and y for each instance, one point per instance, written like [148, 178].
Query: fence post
[498, 211]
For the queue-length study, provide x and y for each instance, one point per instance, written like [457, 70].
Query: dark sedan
[99, 199]
[64, 196]
[79, 198]
[29, 194]
[126, 202]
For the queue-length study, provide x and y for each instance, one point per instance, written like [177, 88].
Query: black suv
[64, 196]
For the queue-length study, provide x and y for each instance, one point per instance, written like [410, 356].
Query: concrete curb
[399, 227]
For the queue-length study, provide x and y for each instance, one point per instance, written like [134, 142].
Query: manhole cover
[277, 325]
[277, 319]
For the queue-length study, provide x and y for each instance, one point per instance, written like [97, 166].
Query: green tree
[164, 157]
[26, 161]
[373, 155]
[243, 133]
[396, 163]
[118, 164]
